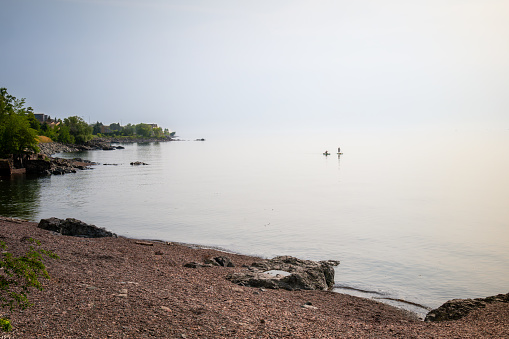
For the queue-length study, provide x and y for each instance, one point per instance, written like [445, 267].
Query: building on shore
[41, 117]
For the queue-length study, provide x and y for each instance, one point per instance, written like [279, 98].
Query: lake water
[418, 217]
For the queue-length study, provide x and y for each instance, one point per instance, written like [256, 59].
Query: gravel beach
[127, 288]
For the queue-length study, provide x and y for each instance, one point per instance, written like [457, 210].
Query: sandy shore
[121, 288]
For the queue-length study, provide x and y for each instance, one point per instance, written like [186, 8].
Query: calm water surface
[420, 217]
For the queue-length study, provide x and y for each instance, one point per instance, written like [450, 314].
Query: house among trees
[104, 129]
[41, 117]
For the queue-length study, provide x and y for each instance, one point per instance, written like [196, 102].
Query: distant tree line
[71, 130]
[19, 128]
[141, 130]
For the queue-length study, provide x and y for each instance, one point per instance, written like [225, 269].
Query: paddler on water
[326, 153]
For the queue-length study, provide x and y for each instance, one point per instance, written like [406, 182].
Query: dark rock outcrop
[288, 273]
[458, 308]
[58, 166]
[223, 261]
[74, 227]
[38, 167]
[194, 264]
[217, 261]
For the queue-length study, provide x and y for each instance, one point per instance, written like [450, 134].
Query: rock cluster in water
[74, 227]
[56, 166]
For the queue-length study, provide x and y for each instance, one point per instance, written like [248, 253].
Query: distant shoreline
[54, 147]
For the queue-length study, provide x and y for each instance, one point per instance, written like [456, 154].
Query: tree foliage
[16, 134]
[78, 129]
[115, 127]
[34, 123]
[20, 274]
[19, 128]
[64, 135]
[144, 130]
[158, 132]
[128, 130]
[96, 128]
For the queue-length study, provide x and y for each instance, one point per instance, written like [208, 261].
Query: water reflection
[20, 196]
[410, 219]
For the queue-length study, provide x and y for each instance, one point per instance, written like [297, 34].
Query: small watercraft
[326, 153]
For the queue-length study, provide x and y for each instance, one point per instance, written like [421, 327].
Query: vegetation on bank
[20, 274]
[20, 131]
[17, 136]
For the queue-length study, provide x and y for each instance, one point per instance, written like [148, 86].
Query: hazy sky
[197, 66]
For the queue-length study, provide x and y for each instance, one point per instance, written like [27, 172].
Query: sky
[198, 66]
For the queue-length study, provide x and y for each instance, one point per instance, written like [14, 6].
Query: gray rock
[309, 306]
[303, 274]
[224, 261]
[74, 227]
[458, 308]
[192, 264]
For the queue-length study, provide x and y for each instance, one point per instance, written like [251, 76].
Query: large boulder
[288, 273]
[39, 167]
[74, 227]
[458, 308]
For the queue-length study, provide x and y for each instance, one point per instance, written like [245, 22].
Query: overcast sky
[261, 65]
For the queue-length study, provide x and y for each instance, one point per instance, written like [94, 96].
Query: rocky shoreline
[45, 164]
[56, 166]
[51, 148]
[115, 287]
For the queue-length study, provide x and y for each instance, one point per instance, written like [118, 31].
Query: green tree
[64, 135]
[115, 127]
[79, 129]
[144, 130]
[96, 128]
[128, 130]
[158, 132]
[16, 135]
[48, 131]
[34, 123]
[19, 274]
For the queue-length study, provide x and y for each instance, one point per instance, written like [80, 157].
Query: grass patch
[43, 139]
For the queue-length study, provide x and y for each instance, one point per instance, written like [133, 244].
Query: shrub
[19, 275]
[5, 325]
